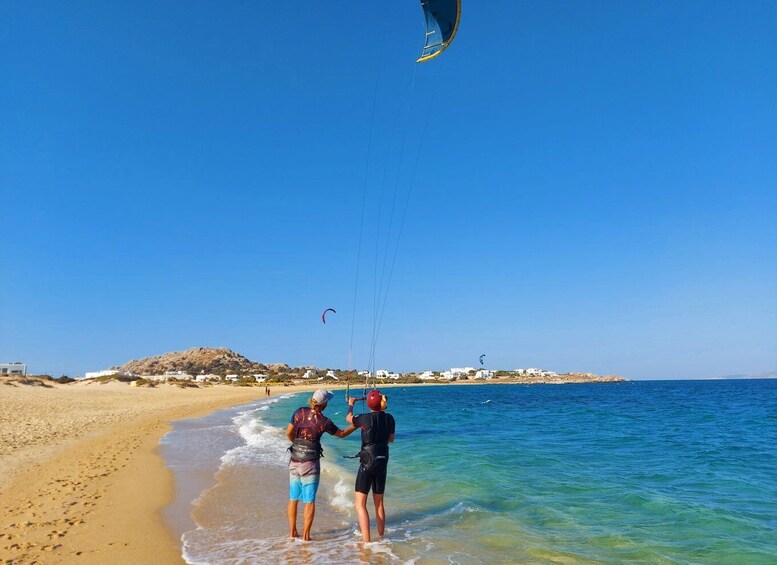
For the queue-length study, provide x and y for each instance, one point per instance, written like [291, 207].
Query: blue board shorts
[304, 477]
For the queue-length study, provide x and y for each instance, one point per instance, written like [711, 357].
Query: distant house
[456, 372]
[7, 369]
[484, 374]
[180, 375]
[394, 376]
[382, 374]
[158, 378]
[427, 376]
[331, 375]
[105, 373]
[261, 378]
[364, 374]
[534, 372]
[232, 377]
[205, 378]
[309, 374]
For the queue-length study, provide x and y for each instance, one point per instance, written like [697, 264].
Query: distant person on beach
[377, 433]
[305, 429]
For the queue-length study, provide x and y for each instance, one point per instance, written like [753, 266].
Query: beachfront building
[427, 376]
[261, 378]
[180, 375]
[206, 378]
[364, 374]
[534, 372]
[7, 369]
[456, 373]
[157, 378]
[484, 374]
[382, 374]
[232, 378]
[106, 373]
[331, 375]
[310, 373]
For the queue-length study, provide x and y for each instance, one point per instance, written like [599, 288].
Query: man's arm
[349, 417]
[346, 432]
[290, 432]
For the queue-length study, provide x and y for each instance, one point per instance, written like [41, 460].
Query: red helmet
[375, 400]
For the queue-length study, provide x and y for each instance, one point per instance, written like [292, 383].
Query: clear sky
[596, 184]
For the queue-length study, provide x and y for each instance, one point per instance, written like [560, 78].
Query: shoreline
[81, 475]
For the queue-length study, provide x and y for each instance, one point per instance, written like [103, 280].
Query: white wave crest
[263, 443]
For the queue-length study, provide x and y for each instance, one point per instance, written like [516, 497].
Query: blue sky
[595, 190]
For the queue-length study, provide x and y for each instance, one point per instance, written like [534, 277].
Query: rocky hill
[215, 360]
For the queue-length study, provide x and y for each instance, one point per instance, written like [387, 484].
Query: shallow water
[659, 472]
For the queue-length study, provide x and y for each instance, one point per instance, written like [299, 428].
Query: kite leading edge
[442, 21]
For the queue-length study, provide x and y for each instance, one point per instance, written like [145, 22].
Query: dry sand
[80, 477]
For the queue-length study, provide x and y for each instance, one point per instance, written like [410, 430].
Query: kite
[442, 21]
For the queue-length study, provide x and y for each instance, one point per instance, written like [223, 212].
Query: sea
[629, 472]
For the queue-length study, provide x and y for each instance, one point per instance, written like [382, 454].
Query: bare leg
[360, 501]
[309, 513]
[380, 513]
[292, 511]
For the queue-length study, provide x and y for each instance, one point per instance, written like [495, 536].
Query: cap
[375, 400]
[322, 396]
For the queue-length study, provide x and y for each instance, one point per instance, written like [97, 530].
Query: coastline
[80, 471]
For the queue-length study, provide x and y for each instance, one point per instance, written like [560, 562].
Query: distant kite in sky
[323, 315]
[482, 357]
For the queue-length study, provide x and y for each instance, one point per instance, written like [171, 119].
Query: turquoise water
[656, 472]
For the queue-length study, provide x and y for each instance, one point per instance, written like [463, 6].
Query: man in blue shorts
[305, 429]
[377, 433]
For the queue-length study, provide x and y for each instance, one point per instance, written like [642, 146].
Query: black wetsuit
[376, 428]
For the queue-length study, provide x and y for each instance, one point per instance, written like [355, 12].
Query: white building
[331, 375]
[205, 378]
[158, 378]
[484, 374]
[364, 374]
[232, 377]
[393, 376]
[13, 369]
[180, 375]
[105, 373]
[534, 372]
[427, 376]
[456, 373]
[309, 374]
[381, 374]
[261, 378]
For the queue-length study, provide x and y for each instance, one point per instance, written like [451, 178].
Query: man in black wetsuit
[377, 432]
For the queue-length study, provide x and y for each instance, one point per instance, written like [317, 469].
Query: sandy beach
[80, 477]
